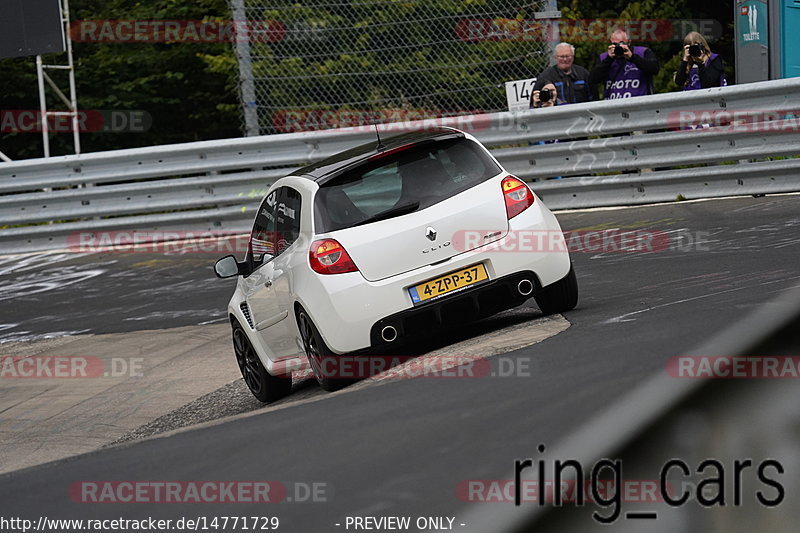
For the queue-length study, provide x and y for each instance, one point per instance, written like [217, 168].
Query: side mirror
[227, 267]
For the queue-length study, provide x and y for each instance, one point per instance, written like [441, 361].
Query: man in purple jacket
[624, 71]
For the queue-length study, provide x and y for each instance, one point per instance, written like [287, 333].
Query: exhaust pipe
[388, 333]
[525, 287]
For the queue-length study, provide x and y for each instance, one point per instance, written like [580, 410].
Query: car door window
[262, 238]
[287, 214]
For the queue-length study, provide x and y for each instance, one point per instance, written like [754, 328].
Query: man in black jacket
[571, 81]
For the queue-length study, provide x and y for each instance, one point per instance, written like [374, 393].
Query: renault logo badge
[430, 233]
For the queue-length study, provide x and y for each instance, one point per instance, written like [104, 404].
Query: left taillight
[517, 195]
[327, 256]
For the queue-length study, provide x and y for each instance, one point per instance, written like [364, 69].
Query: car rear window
[401, 182]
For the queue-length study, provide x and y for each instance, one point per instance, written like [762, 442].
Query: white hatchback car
[381, 243]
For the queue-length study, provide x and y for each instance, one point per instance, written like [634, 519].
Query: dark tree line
[189, 89]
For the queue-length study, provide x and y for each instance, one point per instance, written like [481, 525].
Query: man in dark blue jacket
[571, 81]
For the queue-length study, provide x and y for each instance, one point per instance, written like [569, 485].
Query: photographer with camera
[546, 97]
[570, 82]
[700, 68]
[625, 71]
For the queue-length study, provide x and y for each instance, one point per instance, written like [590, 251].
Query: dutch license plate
[448, 283]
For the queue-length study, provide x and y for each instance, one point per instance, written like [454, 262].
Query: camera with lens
[545, 95]
[695, 50]
[619, 51]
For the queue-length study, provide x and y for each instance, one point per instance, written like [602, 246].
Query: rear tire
[318, 353]
[264, 386]
[560, 296]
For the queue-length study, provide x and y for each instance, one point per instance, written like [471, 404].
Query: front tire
[560, 296]
[264, 386]
[318, 353]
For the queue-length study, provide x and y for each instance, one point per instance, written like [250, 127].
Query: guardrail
[214, 185]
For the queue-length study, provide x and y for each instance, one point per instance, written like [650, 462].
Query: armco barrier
[215, 185]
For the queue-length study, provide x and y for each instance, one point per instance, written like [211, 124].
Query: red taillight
[327, 256]
[517, 195]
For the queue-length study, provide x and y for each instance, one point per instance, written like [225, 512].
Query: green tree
[189, 89]
[343, 55]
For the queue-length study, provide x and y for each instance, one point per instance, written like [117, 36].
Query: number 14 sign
[518, 94]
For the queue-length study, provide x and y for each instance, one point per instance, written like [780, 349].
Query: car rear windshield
[402, 181]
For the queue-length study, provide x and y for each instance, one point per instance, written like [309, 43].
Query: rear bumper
[479, 302]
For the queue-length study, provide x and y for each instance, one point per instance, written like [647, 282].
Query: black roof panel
[327, 167]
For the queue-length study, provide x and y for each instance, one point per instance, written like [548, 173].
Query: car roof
[326, 169]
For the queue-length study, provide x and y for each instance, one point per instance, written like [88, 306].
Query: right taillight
[327, 256]
[517, 195]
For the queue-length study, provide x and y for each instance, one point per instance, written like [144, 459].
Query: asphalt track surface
[403, 448]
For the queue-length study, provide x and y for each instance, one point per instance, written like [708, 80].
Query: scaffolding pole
[71, 101]
[243, 54]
